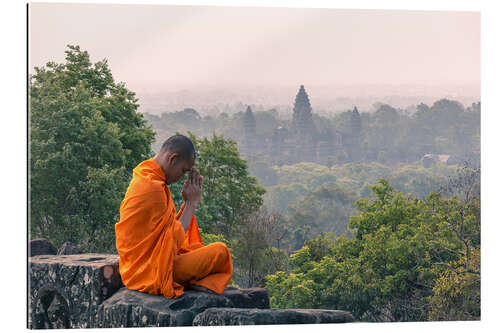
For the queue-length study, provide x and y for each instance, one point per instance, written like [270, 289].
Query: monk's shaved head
[181, 145]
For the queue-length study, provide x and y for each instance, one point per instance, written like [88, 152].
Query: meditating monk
[161, 251]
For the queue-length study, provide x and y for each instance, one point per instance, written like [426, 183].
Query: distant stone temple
[352, 139]
[301, 140]
[250, 129]
[302, 122]
[303, 127]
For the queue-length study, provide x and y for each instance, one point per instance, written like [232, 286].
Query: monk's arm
[187, 214]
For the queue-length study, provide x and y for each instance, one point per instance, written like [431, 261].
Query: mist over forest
[328, 99]
[294, 133]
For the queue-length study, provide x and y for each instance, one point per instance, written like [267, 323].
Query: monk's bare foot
[201, 288]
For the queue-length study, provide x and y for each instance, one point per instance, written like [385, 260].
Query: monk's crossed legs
[207, 266]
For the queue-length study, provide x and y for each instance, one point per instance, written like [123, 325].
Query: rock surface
[128, 308]
[85, 291]
[40, 246]
[65, 291]
[232, 316]
[68, 248]
[248, 298]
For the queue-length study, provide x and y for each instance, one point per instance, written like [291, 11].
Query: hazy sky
[182, 46]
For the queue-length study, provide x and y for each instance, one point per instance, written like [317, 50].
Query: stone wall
[66, 290]
[86, 291]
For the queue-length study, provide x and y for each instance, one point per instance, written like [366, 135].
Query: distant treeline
[314, 168]
[388, 135]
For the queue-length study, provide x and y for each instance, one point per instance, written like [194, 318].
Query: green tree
[267, 122]
[262, 170]
[257, 256]
[398, 265]
[457, 291]
[420, 181]
[325, 209]
[308, 173]
[85, 138]
[382, 133]
[278, 198]
[229, 193]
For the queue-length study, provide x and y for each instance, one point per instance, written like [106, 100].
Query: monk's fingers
[200, 177]
[200, 180]
[196, 174]
[193, 176]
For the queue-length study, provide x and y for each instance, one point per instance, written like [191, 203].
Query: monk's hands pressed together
[191, 193]
[193, 187]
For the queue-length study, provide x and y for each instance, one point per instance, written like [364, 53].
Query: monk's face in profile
[177, 167]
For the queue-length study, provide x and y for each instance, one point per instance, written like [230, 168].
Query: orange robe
[152, 244]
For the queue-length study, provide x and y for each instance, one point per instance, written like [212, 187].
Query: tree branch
[457, 271]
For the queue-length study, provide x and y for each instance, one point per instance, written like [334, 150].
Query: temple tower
[354, 138]
[250, 130]
[303, 127]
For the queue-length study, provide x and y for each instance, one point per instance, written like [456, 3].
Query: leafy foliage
[326, 209]
[85, 137]
[212, 238]
[254, 248]
[278, 198]
[229, 192]
[396, 268]
[457, 293]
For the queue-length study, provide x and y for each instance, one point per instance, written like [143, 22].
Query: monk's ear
[173, 158]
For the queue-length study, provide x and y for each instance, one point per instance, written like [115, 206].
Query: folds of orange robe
[207, 266]
[149, 237]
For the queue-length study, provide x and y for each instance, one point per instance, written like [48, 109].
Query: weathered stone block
[235, 316]
[40, 246]
[65, 291]
[129, 308]
[247, 298]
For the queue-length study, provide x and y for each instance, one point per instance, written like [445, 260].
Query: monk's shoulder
[146, 186]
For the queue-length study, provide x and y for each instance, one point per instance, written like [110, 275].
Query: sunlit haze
[333, 52]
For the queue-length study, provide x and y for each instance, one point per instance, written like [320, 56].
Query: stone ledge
[251, 298]
[129, 308]
[86, 259]
[235, 316]
[85, 291]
